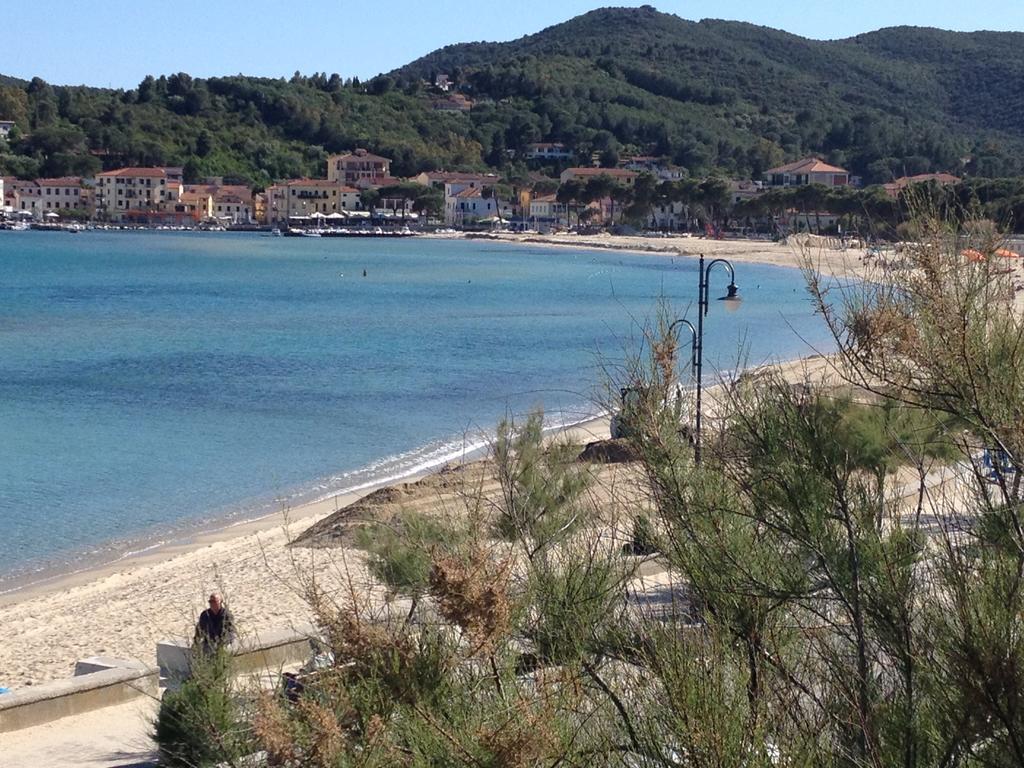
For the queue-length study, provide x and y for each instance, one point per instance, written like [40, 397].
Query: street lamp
[693, 346]
[732, 300]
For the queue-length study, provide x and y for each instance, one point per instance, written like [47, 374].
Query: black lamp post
[732, 296]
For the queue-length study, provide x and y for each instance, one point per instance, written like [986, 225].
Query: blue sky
[117, 42]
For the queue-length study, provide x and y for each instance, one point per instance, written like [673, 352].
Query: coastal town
[663, 408]
[358, 194]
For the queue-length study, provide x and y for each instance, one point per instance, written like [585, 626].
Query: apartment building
[305, 197]
[125, 192]
[64, 193]
[358, 169]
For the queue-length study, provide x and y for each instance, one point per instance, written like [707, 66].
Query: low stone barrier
[270, 650]
[74, 695]
[102, 682]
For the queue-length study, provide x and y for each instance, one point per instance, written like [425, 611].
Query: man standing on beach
[216, 627]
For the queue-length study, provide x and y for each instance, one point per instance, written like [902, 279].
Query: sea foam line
[382, 472]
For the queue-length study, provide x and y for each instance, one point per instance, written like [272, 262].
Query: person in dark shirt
[215, 628]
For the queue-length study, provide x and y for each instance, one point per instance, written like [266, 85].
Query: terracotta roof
[613, 172]
[469, 192]
[62, 181]
[135, 173]
[940, 178]
[807, 165]
[359, 154]
[386, 181]
[310, 183]
[546, 199]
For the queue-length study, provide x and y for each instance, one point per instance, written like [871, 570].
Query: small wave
[384, 471]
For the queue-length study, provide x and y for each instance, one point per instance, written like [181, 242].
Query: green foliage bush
[401, 552]
[197, 724]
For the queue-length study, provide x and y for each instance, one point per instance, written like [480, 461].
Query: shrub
[197, 724]
[401, 553]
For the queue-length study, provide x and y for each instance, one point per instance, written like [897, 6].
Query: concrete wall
[61, 698]
[102, 682]
[270, 650]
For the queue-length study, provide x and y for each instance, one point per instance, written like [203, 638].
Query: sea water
[153, 382]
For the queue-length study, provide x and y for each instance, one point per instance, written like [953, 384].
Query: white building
[468, 206]
[655, 167]
[6, 126]
[670, 216]
[546, 212]
[554, 151]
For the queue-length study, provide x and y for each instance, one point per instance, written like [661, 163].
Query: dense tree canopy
[713, 97]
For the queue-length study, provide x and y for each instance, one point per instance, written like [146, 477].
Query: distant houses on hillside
[358, 187]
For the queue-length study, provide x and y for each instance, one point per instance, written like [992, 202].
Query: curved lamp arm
[707, 283]
[693, 346]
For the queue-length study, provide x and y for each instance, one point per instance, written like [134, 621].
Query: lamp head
[732, 298]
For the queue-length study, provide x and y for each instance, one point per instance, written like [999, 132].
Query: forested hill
[729, 93]
[711, 95]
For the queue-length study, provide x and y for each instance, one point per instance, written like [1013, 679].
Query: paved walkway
[112, 737]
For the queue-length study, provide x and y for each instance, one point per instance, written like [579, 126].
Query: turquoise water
[150, 382]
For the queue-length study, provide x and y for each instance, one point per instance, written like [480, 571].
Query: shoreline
[54, 621]
[249, 514]
[831, 261]
[171, 542]
[123, 609]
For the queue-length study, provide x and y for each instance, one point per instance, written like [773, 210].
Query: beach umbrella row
[972, 254]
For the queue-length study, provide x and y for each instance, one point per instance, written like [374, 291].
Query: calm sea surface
[153, 382]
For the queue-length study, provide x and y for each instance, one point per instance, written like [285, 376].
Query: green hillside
[711, 95]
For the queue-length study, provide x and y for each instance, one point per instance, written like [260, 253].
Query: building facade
[548, 151]
[468, 206]
[546, 212]
[358, 169]
[461, 180]
[305, 197]
[127, 192]
[810, 170]
[65, 193]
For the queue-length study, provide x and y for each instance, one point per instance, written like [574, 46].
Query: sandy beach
[826, 254]
[123, 609]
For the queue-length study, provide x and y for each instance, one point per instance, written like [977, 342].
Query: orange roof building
[895, 187]
[810, 170]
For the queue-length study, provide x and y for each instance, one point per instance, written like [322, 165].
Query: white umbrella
[51, 215]
[334, 216]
